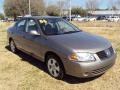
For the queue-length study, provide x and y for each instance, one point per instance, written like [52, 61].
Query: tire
[12, 46]
[55, 67]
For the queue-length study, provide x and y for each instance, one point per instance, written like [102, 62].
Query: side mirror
[34, 32]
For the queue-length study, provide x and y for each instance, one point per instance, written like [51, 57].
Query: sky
[1, 5]
[81, 3]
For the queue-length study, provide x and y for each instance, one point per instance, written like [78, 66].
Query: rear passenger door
[19, 32]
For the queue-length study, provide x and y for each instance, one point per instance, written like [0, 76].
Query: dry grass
[98, 24]
[22, 72]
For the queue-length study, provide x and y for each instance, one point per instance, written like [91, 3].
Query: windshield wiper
[71, 32]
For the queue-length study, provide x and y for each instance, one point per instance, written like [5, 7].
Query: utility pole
[29, 7]
[70, 9]
[60, 6]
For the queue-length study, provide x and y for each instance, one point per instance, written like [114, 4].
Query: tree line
[14, 8]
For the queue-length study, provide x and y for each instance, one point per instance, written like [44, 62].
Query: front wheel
[55, 67]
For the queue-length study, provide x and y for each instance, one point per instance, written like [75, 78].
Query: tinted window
[21, 25]
[31, 25]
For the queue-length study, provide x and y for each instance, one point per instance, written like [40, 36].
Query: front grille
[101, 70]
[105, 53]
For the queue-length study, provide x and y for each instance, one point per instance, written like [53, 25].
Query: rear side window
[21, 25]
[31, 25]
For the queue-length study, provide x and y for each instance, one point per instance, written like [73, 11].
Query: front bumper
[91, 69]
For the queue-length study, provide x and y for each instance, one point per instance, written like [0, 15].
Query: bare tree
[52, 10]
[38, 7]
[63, 4]
[118, 3]
[20, 7]
[10, 8]
[92, 5]
[113, 4]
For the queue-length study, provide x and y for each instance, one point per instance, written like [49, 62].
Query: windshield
[57, 26]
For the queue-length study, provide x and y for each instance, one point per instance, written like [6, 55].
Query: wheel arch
[10, 39]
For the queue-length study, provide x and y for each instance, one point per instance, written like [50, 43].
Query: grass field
[22, 72]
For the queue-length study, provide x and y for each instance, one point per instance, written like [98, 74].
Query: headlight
[82, 57]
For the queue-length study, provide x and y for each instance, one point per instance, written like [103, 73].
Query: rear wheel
[12, 46]
[55, 67]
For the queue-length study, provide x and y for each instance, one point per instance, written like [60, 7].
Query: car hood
[81, 42]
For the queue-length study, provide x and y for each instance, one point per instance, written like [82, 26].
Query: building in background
[105, 13]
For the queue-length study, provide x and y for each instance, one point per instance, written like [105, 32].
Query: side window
[31, 25]
[21, 25]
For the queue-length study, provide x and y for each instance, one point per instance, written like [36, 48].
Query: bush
[2, 16]
[79, 11]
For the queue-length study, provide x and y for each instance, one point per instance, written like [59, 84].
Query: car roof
[45, 17]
